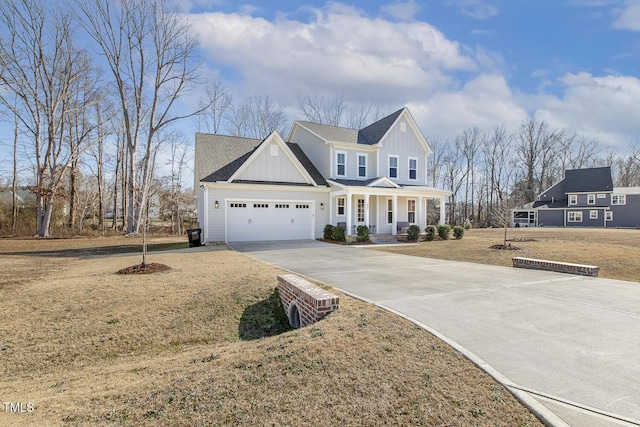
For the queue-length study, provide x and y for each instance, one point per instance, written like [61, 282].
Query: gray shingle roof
[222, 155]
[333, 133]
[588, 180]
[212, 152]
[373, 133]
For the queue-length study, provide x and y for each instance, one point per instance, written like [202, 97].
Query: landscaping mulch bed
[152, 267]
[507, 247]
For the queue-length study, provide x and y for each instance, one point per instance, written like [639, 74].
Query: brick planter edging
[560, 267]
[304, 302]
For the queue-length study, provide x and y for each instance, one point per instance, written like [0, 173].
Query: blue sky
[455, 63]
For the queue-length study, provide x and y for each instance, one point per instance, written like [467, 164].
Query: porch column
[349, 201]
[366, 210]
[443, 217]
[421, 209]
[330, 207]
[394, 223]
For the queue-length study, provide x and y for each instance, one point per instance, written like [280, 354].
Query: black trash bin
[194, 237]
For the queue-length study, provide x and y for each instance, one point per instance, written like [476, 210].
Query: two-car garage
[261, 220]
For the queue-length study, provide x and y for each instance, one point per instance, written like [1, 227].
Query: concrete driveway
[571, 343]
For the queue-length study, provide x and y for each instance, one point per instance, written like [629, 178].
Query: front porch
[386, 211]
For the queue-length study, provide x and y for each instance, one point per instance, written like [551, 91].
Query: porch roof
[366, 187]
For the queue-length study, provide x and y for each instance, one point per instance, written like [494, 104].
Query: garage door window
[238, 205]
[302, 206]
[260, 205]
[281, 206]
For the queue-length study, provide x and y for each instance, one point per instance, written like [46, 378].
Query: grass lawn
[206, 343]
[615, 251]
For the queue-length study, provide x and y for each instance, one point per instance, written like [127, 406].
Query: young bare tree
[469, 142]
[41, 67]
[497, 152]
[150, 52]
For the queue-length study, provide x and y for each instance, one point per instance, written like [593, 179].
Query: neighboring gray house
[271, 189]
[584, 198]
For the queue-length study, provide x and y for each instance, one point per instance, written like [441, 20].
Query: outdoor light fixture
[321, 206]
[217, 205]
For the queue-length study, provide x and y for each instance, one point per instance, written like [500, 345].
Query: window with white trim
[573, 199]
[574, 216]
[393, 166]
[618, 199]
[593, 214]
[411, 211]
[389, 211]
[341, 164]
[362, 165]
[413, 168]
[591, 199]
[360, 217]
[609, 215]
[341, 204]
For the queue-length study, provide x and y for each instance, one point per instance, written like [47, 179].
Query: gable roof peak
[373, 133]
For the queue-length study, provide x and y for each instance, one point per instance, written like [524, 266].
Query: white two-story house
[272, 189]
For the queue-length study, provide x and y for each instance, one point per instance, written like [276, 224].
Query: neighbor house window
[411, 211]
[609, 215]
[593, 214]
[340, 205]
[360, 210]
[618, 199]
[573, 199]
[575, 217]
[341, 162]
[413, 169]
[362, 165]
[389, 211]
[393, 166]
[591, 199]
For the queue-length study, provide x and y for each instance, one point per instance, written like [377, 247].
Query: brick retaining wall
[304, 302]
[561, 267]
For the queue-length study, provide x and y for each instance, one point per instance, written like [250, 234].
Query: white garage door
[269, 220]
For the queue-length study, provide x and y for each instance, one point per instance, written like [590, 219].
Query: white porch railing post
[366, 210]
[421, 209]
[349, 210]
[394, 222]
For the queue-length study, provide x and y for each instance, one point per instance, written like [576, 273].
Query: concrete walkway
[569, 345]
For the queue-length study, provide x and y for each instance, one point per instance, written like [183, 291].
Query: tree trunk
[14, 183]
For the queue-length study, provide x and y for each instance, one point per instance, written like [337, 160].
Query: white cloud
[605, 108]
[484, 102]
[402, 11]
[477, 9]
[628, 18]
[340, 50]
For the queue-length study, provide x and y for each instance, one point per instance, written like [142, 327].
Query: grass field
[615, 251]
[206, 343]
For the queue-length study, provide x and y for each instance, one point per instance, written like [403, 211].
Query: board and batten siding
[272, 164]
[404, 145]
[315, 149]
[215, 227]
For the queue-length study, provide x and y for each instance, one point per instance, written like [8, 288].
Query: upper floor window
[393, 166]
[341, 164]
[618, 199]
[573, 199]
[591, 199]
[413, 168]
[362, 165]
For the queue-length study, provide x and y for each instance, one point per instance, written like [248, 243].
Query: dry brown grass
[199, 345]
[615, 251]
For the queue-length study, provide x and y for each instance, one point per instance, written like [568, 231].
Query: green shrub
[328, 231]
[444, 231]
[413, 232]
[431, 231]
[467, 224]
[363, 233]
[337, 234]
[458, 232]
